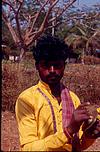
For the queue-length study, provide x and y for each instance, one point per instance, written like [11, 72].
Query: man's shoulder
[73, 94]
[75, 99]
[28, 94]
[29, 97]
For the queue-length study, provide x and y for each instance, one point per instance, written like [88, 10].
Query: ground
[9, 134]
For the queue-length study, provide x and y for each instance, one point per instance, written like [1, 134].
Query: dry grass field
[84, 80]
[10, 138]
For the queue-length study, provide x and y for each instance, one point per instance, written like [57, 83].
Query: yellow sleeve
[50, 143]
[75, 99]
[27, 125]
[98, 110]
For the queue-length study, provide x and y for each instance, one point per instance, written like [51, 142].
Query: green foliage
[62, 31]
[79, 28]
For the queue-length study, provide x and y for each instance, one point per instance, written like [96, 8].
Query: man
[49, 115]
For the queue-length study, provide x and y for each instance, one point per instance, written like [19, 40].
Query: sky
[88, 2]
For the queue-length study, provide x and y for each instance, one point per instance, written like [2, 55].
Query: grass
[84, 80]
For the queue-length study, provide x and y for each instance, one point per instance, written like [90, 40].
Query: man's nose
[52, 69]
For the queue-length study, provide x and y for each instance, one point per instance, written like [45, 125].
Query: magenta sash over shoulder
[67, 106]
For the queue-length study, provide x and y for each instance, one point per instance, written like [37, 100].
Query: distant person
[49, 116]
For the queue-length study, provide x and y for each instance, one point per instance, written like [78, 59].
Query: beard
[53, 78]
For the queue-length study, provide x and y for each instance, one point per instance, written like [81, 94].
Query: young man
[49, 115]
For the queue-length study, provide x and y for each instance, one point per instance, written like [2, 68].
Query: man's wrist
[93, 135]
[69, 133]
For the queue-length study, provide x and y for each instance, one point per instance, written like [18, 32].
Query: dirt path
[9, 134]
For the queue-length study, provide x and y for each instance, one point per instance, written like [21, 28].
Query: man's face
[51, 72]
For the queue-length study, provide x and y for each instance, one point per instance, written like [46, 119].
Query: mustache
[53, 75]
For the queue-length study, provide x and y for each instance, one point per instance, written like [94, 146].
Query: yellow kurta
[35, 122]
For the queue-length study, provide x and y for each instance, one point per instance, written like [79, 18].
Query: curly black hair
[49, 47]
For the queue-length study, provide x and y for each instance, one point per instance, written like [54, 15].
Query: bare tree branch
[37, 15]
[19, 17]
[41, 5]
[7, 22]
[43, 25]
[9, 4]
[47, 15]
[20, 5]
[63, 10]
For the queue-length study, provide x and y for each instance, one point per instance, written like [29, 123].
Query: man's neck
[55, 89]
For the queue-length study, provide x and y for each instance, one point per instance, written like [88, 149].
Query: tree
[93, 43]
[27, 20]
[81, 29]
[6, 36]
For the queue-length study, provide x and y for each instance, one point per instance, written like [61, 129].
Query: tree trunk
[83, 53]
[22, 53]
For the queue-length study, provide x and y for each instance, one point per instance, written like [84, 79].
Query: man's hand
[79, 116]
[94, 130]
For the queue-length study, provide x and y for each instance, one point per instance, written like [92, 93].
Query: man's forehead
[51, 61]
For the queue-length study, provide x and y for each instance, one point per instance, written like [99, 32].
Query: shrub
[15, 78]
[91, 60]
[84, 80]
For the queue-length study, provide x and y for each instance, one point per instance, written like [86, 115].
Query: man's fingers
[82, 106]
[82, 111]
[82, 117]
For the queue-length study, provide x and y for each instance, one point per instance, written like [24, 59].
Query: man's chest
[49, 117]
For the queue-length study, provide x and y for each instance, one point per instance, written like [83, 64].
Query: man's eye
[44, 66]
[58, 66]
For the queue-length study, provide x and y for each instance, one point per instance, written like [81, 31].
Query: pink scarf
[67, 106]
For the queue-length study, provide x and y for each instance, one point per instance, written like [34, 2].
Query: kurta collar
[44, 85]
